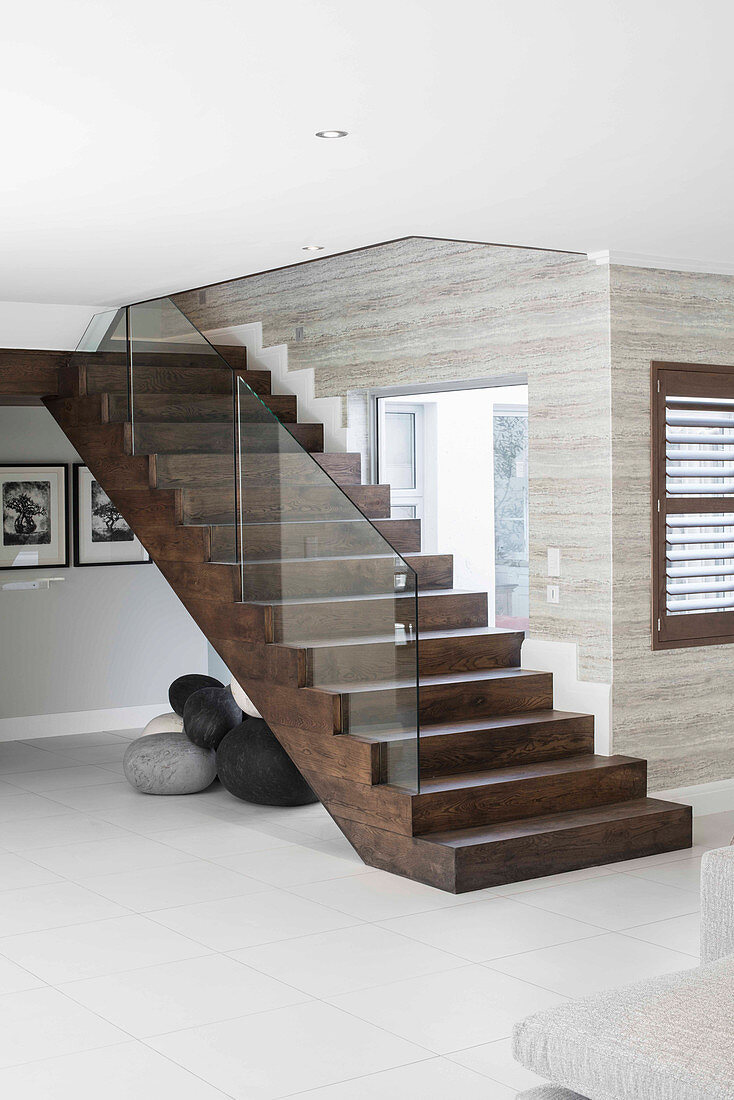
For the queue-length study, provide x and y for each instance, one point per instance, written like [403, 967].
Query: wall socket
[553, 593]
[554, 561]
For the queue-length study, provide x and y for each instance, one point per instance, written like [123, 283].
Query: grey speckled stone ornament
[168, 763]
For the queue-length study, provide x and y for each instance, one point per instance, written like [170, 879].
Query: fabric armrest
[717, 904]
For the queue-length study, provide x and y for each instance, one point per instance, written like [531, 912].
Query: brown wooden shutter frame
[683, 380]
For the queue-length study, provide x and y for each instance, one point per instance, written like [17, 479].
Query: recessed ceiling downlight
[331, 133]
[313, 248]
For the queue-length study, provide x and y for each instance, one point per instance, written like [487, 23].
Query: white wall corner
[301, 382]
[570, 693]
[81, 721]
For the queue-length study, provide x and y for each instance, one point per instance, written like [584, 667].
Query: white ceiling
[155, 145]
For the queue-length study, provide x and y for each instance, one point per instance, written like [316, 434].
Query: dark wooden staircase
[510, 787]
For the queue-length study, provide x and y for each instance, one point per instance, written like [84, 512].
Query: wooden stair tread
[516, 720]
[490, 776]
[426, 592]
[429, 681]
[425, 635]
[549, 823]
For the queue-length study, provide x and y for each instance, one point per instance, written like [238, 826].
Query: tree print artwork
[26, 511]
[107, 522]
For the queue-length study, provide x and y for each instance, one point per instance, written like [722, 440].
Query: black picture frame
[63, 512]
[78, 535]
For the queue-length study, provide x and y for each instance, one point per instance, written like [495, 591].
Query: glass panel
[335, 585]
[512, 606]
[103, 347]
[182, 411]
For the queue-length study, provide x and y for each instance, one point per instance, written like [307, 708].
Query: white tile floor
[203, 948]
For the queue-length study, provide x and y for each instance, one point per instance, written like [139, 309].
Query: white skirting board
[706, 798]
[82, 721]
[570, 693]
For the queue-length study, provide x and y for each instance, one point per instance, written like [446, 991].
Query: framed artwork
[101, 535]
[33, 510]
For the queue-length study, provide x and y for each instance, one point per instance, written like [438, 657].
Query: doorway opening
[457, 459]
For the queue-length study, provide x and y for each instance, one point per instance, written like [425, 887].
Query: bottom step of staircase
[513, 851]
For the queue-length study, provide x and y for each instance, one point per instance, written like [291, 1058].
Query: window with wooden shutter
[692, 505]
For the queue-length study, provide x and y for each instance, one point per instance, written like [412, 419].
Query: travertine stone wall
[421, 310]
[671, 706]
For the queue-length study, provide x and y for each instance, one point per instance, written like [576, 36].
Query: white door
[401, 457]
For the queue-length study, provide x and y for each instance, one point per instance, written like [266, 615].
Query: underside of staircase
[510, 788]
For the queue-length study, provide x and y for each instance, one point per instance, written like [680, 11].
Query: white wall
[98, 650]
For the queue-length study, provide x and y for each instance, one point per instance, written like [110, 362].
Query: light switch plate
[553, 593]
[554, 561]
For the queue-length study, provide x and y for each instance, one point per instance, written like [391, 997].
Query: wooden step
[358, 616]
[472, 799]
[286, 504]
[520, 738]
[475, 858]
[186, 471]
[164, 377]
[358, 659]
[370, 707]
[296, 540]
[203, 438]
[340, 576]
[186, 408]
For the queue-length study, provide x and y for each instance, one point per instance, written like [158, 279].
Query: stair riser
[452, 753]
[372, 710]
[219, 583]
[200, 471]
[354, 620]
[352, 664]
[198, 408]
[340, 577]
[161, 438]
[286, 505]
[316, 539]
[524, 798]
[163, 378]
[553, 853]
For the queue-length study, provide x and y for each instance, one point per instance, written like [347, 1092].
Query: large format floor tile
[275, 1054]
[180, 995]
[436, 1079]
[677, 933]
[292, 866]
[43, 1023]
[450, 1010]
[221, 838]
[588, 966]
[685, 873]
[494, 1060]
[121, 854]
[380, 896]
[128, 1070]
[615, 901]
[66, 827]
[37, 907]
[490, 929]
[14, 979]
[85, 775]
[239, 922]
[347, 959]
[179, 884]
[102, 947]
[17, 872]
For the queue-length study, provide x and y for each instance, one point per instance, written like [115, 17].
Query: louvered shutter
[693, 504]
